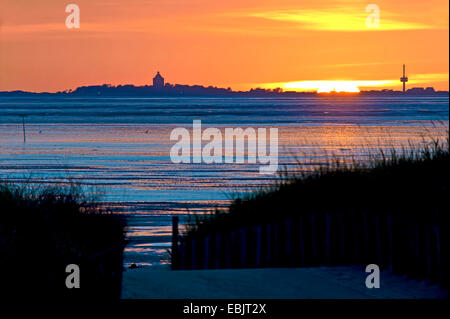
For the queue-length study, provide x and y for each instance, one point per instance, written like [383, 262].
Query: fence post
[439, 274]
[258, 246]
[378, 240]
[218, 250]
[232, 251]
[390, 236]
[228, 247]
[174, 242]
[328, 239]
[194, 254]
[206, 255]
[289, 242]
[399, 245]
[243, 234]
[343, 256]
[356, 256]
[417, 261]
[366, 254]
[314, 239]
[302, 242]
[428, 252]
[183, 255]
[276, 250]
[269, 242]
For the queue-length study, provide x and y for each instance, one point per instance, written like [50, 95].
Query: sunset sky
[235, 43]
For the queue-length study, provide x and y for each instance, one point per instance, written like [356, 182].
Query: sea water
[119, 148]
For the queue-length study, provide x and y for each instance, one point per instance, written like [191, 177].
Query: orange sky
[236, 43]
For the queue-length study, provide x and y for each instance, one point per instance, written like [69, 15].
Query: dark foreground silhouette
[390, 212]
[43, 231]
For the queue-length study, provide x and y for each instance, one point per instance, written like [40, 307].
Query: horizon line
[229, 89]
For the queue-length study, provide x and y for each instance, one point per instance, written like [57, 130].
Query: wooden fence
[406, 245]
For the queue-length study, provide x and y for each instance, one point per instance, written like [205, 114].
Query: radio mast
[404, 78]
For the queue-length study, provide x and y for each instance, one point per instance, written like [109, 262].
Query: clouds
[339, 19]
[225, 43]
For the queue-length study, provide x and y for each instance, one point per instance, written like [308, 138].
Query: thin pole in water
[23, 126]
[174, 242]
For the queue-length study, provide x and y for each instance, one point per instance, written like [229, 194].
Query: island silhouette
[162, 89]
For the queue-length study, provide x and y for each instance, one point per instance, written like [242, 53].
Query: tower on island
[158, 81]
[404, 78]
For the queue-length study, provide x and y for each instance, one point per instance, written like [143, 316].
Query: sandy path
[321, 282]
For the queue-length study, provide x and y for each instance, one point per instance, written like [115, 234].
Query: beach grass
[44, 229]
[410, 180]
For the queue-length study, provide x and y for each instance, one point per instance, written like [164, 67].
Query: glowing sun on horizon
[330, 86]
[338, 86]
